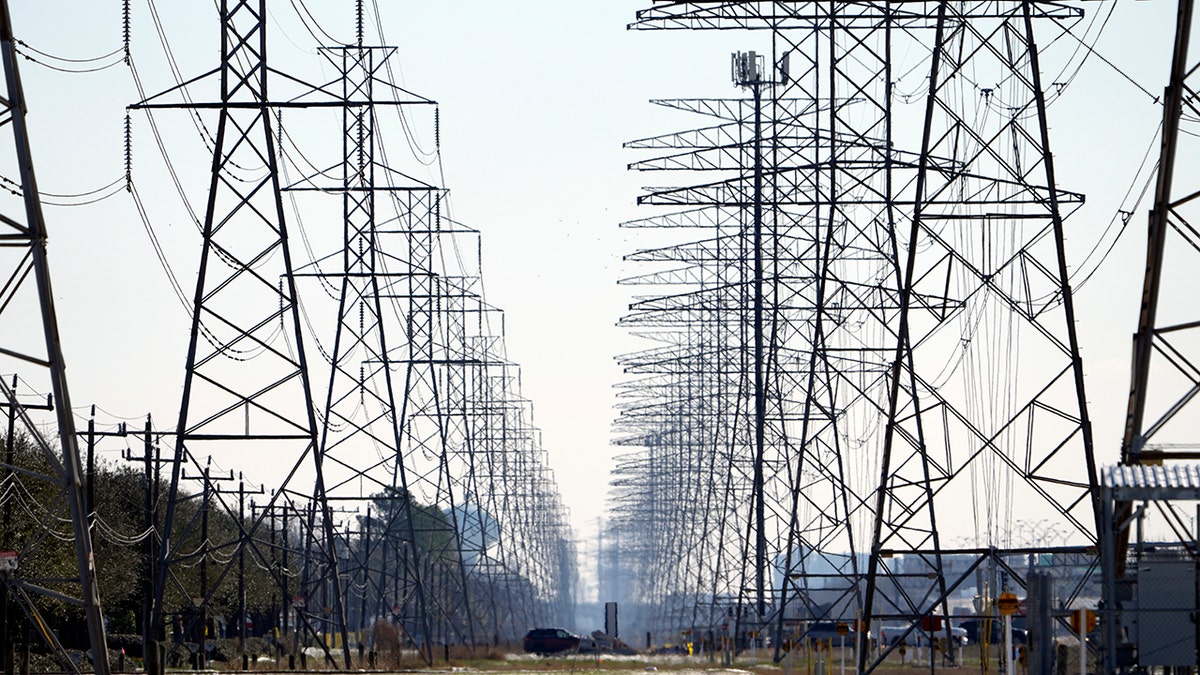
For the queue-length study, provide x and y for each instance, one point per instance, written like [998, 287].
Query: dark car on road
[543, 641]
[826, 632]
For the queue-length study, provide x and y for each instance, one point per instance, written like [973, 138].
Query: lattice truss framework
[914, 248]
[1166, 374]
[48, 569]
[464, 442]
[418, 491]
[247, 388]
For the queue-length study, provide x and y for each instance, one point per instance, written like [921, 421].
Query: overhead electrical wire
[163, 261]
[112, 189]
[1124, 214]
[109, 413]
[162, 148]
[297, 216]
[67, 69]
[96, 200]
[48, 55]
[306, 16]
[1091, 51]
[409, 137]
[89, 193]
[177, 76]
[111, 534]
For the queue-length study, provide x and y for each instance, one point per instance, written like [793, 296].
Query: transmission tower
[360, 446]
[985, 278]
[414, 464]
[430, 487]
[802, 254]
[423, 420]
[33, 572]
[931, 357]
[246, 386]
[517, 546]
[1166, 378]
[1160, 434]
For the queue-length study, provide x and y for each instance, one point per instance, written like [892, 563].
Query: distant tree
[432, 530]
[35, 522]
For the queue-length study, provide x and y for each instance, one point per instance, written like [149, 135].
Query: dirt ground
[499, 661]
[518, 664]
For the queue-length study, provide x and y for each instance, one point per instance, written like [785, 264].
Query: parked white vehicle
[893, 633]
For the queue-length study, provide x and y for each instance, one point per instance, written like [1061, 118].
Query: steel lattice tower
[419, 422]
[1165, 374]
[813, 195]
[432, 497]
[737, 327]
[984, 268]
[33, 574]
[1166, 378]
[933, 261]
[246, 384]
[359, 457]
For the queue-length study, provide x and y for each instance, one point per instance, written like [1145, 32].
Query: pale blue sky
[536, 98]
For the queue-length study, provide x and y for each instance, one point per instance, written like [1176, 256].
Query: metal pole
[760, 395]
[362, 607]
[89, 502]
[287, 597]
[1008, 662]
[242, 572]
[1082, 614]
[201, 654]
[148, 643]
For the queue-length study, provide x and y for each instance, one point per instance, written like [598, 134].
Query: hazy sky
[535, 98]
